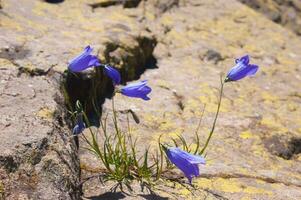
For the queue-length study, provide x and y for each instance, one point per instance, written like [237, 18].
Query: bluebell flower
[186, 162]
[137, 90]
[80, 125]
[113, 74]
[83, 61]
[241, 69]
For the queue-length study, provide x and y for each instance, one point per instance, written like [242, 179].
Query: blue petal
[245, 59]
[113, 74]
[252, 69]
[185, 161]
[83, 61]
[146, 98]
[138, 90]
[136, 85]
[241, 69]
[94, 61]
[77, 130]
[80, 125]
[87, 51]
[193, 159]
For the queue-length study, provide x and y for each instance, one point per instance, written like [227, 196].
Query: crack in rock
[282, 147]
[108, 3]
[131, 57]
[34, 71]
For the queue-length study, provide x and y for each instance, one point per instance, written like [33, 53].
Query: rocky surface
[181, 47]
[37, 157]
[284, 12]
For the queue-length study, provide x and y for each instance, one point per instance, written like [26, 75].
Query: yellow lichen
[273, 123]
[269, 97]
[184, 192]
[246, 135]
[163, 84]
[5, 62]
[167, 20]
[45, 113]
[203, 182]
[11, 24]
[255, 190]
[227, 185]
[180, 37]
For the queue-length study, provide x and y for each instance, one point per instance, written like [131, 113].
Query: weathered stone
[131, 54]
[38, 159]
[240, 165]
[107, 3]
[32, 139]
[285, 12]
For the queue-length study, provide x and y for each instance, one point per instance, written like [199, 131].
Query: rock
[240, 165]
[286, 12]
[39, 159]
[34, 144]
[131, 54]
[214, 56]
[54, 1]
[107, 3]
[296, 4]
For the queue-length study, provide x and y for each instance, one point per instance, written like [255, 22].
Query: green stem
[216, 116]
[121, 139]
[114, 115]
[197, 131]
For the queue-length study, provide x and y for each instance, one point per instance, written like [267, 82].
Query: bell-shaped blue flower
[137, 90]
[80, 125]
[186, 162]
[113, 74]
[241, 69]
[83, 61]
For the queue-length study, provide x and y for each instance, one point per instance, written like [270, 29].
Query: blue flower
[80, 125]
[138, 90]
[241, 69]
[113, 74]
[83, 61]
[186, 162]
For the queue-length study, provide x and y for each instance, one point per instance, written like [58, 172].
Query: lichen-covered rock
[190, 42]
[132, 54]
[243, 161]
[38, 160]
[285, 12]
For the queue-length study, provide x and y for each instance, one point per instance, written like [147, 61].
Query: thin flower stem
[116, 123]
[114, 114]
[161, 158]
[94, 145]
[197, 131]
[216, 116]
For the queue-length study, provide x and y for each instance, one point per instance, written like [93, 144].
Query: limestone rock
[190, 42]
[286, 12]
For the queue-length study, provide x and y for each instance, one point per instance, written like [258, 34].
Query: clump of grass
[119, 154]
[118, 151]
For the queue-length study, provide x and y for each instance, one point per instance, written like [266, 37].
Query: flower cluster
[85, 60]
[187, 162]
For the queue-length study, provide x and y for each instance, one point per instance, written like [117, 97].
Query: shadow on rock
[153, 197]
[54, 1]
[108, 195]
